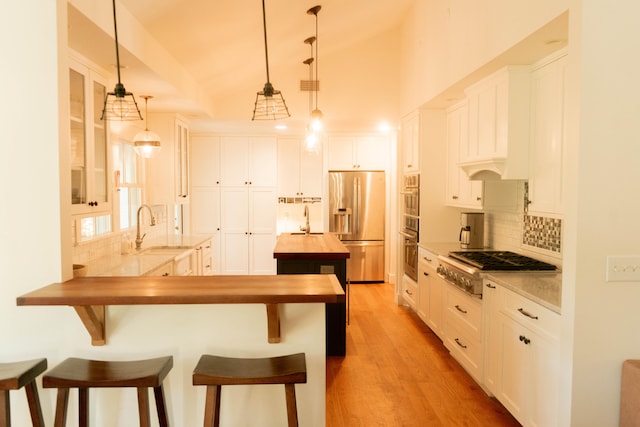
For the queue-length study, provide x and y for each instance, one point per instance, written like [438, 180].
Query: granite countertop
[542, 287]
[139, 263]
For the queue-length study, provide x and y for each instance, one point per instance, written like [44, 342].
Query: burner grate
[501, 260]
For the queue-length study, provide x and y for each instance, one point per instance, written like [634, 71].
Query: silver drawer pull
[460, 309]
[457, 340]
[526, 313]
[490, 286]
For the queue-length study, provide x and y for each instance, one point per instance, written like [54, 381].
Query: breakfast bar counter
[91, 295]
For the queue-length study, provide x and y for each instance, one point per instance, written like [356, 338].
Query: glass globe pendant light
[146, 143]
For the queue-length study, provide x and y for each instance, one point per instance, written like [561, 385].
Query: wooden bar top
[90, 295]
[312, 246]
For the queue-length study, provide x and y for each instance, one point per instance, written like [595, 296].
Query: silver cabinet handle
[461, 310]
[490, 286]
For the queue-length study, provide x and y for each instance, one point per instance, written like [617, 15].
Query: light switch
[623, 268]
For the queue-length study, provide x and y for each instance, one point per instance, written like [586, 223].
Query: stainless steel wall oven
[410, 224]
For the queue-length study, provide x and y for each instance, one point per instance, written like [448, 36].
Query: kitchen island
[189, 316]
[319, 253]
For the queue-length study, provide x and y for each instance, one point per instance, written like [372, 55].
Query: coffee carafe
[472, 230]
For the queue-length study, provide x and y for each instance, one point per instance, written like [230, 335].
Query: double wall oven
[410, 224]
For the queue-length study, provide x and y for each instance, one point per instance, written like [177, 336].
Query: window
[126, 165]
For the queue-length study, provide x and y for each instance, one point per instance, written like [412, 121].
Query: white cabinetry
[410, 292]
[430, 291]
[411, 142]
[524, 357]
[463, 330]
[204, 207]
[167, 173]
[499, 124]
[547, 135]
[358, 152]
[204, 259]
[88, 147]
[299, 170]
[248, 205]
[461, 192]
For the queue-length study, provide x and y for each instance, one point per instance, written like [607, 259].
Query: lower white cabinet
[204, 259]
[463, 330]
[248, 230]
[430, 290]
[410, 292]
[523, 353]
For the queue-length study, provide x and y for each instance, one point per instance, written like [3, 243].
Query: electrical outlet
[623, 268]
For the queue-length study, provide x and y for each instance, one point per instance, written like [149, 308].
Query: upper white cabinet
[498, 125]
[547, 135]
[411, 142]
[88, 146]
[299, 170]
[248, 161]
[460, 190]
[358, 152]
[167, 173]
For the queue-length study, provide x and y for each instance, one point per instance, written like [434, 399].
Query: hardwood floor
[398, 373]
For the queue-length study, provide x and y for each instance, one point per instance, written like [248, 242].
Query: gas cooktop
[501, 260]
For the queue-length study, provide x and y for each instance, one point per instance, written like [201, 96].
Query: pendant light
[316, 114]
[269, 103]
[146, 143]
[311, 140]
[119, 104]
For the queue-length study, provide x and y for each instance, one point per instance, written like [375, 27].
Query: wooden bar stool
[216, 371]
[14, 376]
[84, 374]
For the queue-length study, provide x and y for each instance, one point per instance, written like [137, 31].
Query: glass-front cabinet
[89, 144]
[88, 152]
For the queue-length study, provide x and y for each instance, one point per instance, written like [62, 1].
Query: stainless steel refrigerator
[356, 215]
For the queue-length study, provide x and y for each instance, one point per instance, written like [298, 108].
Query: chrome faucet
[307, 227]
[153, 222]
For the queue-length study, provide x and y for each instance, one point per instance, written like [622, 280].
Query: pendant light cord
[115, 30]
[317, 82]
[266, 52]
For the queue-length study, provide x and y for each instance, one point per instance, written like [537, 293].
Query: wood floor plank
[398, 373]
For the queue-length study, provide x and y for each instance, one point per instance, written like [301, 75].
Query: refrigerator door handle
[356, 205]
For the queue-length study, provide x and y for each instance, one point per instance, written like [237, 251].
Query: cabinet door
[288, 167]
[182, 162]
[482, 122]
[89, 142]
[341, 152]
[436, 303]
[310, 173]
[546, 147]
[263, 159]
[410, 142]
[424, 285]
[372, 153]
[204, 161]
[492, 338]
[516, 377]
[234, 161]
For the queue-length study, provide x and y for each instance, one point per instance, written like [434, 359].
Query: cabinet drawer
[409, 292]
[163, 270]
[465, 349]
[529, 313]
[427, 258]
[464, 310]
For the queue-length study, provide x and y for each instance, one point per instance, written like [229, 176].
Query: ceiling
[219, 46]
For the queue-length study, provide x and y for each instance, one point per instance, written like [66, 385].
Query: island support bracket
[273, 323]
[94, 319]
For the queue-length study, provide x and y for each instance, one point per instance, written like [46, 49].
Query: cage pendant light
[316, 115]
[146, 143]
[269, 104]
[119, 104]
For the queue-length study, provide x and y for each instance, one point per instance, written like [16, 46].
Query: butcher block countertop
[90, 295]
[312, 246]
